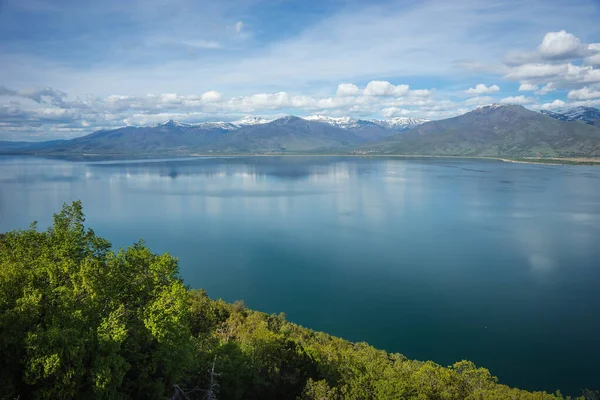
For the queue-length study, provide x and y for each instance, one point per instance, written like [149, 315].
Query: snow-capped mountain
[228, 126]
[397, 123]
[582, 113]
[340, 122]
[493, 106]
[585, 114]
[400, 122]
[173, 124]
[251, 120]
[555, 115]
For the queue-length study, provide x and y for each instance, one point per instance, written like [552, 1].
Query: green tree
[78, 320]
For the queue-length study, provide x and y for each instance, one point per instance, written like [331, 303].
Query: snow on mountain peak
[348, 122]
[582, 113]
[585, 114]
[493, 106]
[340, 122]
[218, 125]
[400, 122]
[174, 123]
[251, 120]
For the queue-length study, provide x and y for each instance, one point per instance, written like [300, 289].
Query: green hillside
[78, 320]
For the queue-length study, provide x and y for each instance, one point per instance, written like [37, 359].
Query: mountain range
[495, 131]
[589, 115]
[248, 135]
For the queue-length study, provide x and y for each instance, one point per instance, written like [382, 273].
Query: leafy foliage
[78, 320]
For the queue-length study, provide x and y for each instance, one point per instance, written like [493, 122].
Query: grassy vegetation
[78, 320]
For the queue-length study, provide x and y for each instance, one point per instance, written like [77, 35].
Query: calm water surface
[439, 259]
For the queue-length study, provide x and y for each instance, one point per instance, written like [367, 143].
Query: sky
[70, 67]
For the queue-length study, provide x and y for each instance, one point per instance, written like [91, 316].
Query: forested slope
[78, 320]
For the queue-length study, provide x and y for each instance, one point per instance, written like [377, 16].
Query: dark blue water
[439, 259]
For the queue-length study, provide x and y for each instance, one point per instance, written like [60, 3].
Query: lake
[441, 259]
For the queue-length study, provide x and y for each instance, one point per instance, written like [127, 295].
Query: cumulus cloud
[421, 93]
[516, 100]
[584, 93]
[385, 88]
[561, 45]
[534, 71]
[375, 89]
[269, 101]
[347, 89]
[568, 74]
[528, 87]
[553, 105]
[212, 97]
[390, 112]
[550, 87]
[555, 46]
[594, 58]
[480, 88]
[170, 98]
[561, 62]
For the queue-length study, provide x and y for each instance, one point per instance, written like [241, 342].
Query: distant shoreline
[540, 161]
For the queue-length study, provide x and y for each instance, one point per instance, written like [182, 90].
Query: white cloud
[585, 103]
[584, 93]
[116, 97]
[170, 98]
[480, 88]
[554, 46]
[212, 96]
[390, 112]
[516, 100]
[561, 45]
[528, 87]
[421, 93]
[347, 89]
[594, 58]
[543, 67]
[533, 71]
[384, 88]
[550, 87]
[553, 105]
[562, 75]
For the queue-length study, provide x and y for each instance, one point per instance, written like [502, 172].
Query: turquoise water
[440, 259]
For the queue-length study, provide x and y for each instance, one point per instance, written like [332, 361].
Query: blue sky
[69, 67]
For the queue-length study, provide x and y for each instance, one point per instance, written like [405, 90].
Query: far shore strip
[528, 160]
